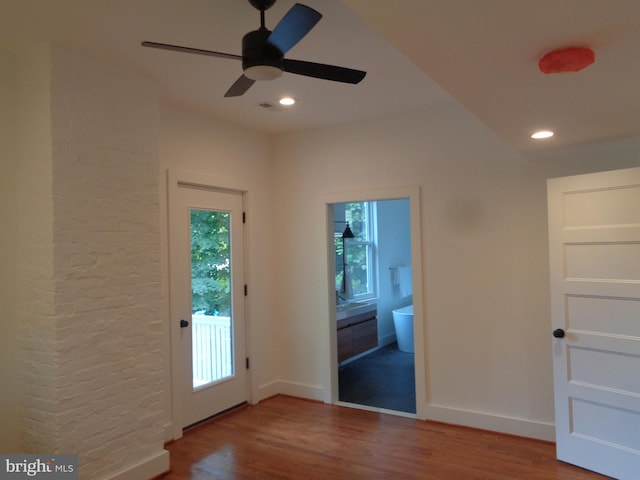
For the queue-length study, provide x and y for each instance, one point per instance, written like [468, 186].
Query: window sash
[360, 252]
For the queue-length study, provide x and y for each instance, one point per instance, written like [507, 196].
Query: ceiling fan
[263, 51]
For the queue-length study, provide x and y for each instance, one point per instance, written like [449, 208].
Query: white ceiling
[483, 53]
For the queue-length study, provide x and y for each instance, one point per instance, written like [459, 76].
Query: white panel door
[594, 247]
[207, 302]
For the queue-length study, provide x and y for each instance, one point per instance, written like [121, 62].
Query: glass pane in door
[212, 338]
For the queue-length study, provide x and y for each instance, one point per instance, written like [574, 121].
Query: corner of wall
[150, 467]
[10, 398]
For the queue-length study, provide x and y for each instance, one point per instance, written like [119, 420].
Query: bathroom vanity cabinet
[357, 334]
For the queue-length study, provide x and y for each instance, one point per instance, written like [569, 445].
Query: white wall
[394, 250]
[488, 358]
[237, 158]
[9, 400]
[484, 249]
[87, 273]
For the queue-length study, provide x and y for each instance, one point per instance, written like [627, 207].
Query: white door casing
[193, 403]
[413, 194]
[594, 247]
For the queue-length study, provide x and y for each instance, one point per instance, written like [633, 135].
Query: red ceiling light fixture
[567, 60]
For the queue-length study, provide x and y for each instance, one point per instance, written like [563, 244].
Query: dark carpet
[383, 379]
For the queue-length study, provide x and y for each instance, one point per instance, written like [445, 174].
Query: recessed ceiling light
[287, 101]
[542, 134]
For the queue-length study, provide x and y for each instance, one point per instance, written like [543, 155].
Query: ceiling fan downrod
[262, 5]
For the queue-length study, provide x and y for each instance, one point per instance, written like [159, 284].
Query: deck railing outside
[212, 349]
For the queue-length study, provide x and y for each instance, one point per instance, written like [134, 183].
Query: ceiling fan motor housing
[262, 4]
[260, 59]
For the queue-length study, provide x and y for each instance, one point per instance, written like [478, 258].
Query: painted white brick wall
[98, 382]
[106, 251]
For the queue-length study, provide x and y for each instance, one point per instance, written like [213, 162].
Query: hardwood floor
[289, 438]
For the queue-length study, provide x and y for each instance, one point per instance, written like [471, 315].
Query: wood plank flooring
[289, 438]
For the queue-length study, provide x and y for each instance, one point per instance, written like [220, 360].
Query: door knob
[184, 324]
[558, 333]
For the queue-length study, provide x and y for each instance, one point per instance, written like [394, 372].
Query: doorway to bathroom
[374, 321]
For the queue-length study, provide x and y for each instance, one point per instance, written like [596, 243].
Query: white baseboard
[387, 339]
[147, 469]
[469, 418]
[267, 390]
[495, 423]
[301, 390]
[168, 432]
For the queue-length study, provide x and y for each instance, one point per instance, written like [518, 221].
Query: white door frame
[175, 178]
[331, 373]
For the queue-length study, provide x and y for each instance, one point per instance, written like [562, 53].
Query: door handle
[184, 324]
[558, 333]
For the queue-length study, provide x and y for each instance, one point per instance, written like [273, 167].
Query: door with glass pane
[207, 302]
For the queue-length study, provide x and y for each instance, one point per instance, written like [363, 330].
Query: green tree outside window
[210, 262]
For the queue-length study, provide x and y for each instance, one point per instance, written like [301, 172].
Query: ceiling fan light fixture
[263, 72]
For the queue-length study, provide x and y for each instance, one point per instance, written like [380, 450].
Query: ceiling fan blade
[297, 22]
[197, 51]
[240, 86]
[320, 70]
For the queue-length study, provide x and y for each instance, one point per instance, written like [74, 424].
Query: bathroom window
[360, 258]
